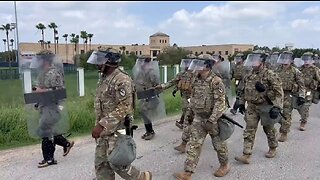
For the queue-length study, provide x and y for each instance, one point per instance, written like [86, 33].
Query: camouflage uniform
[256, 99]
[293, 86]
[182, 82]
[238, 72]
[311, 77]
[113, 102]
[208, 103]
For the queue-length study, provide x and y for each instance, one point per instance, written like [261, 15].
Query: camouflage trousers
[188, 119]
[287, 113]
[104, 170]
[252, 118]
[198, 135]
[304, 111]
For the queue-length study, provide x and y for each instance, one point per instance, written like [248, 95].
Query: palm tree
[4, 43]
[84, 36]
[72, 41]
[90, 37]
[6, 28]
[57, 43]
[41, 27]
[11, 40]
[65, 36]
[53, 26]
[77, 43]
[48, 43]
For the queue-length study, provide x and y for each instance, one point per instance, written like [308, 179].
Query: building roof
[159, 34]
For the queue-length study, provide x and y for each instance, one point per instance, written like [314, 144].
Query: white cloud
[300, 23]
[312, 10]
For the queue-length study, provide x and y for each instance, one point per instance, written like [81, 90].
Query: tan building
[157, 42]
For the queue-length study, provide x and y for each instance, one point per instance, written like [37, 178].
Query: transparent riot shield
[298, 62]
[145, 76]
[223, 69]
[45, 106]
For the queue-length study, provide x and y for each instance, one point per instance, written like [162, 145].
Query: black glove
[36, 105]
[127, 121]
[174, 93]
[274, 112]
[300, 101]
[260, 87]
[242, 109]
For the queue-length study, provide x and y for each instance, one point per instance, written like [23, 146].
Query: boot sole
[71, 145]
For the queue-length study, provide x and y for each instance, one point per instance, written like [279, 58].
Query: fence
[13, 73]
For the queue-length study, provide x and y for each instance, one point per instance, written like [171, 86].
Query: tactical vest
[288, 78]
[309, 75]
[251, 94]
[106, 99]
[202, 100]
[184, 84]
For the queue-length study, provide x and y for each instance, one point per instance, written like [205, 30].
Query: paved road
[299, 158]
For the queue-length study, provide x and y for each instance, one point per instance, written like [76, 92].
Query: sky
[187, 23]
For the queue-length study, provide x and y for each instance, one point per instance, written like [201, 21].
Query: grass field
[13, 126]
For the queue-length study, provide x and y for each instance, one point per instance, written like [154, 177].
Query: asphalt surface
[298, 158]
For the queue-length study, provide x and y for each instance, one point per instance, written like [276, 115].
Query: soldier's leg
[252, 119]
[304, 113]
[102, 167]
[185, 136]
[198, 135]
[62, 141]
[235, 106]
[272, 140]
[148, 125]
[222, 151]
[48, 149]
[286, 123]
[132, 173]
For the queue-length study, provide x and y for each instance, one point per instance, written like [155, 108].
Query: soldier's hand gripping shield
[45, 106]
[146, 75]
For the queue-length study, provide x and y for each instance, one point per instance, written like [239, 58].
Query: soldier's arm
[240, 89]
[219, 98]
[170, 83]
[125, 99]
[300, 83]
[318, 74]
[276, 90]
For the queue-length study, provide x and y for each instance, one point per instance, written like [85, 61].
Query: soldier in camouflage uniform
[293, 87]
[317, 60]
[237, 73]
[208, 103]
[114, 102]
[182, 83]
[50, 78]
[260, 86]
[311, 75]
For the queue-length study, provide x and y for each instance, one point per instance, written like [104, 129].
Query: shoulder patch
[122, 92]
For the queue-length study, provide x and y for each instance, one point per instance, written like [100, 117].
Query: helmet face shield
[97, 58]
[253, 60]
[185, 63]
[197, 65]
[307, 59]
[285, 58]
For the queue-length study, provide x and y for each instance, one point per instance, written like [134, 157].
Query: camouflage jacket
[292, 81]
[208, 97]
[273, 86]
[182, 82]
[311, 77]
[114, 100]
[237, 72]
[52, 79]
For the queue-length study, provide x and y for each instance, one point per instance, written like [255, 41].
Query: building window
[213, 52]
[140, 52]
[154, 53]
[201, 52]
[196, 53]
[127, 52]
[220, 52]
[226, 53]
[165, 41]
[136, 52]
[160, 40]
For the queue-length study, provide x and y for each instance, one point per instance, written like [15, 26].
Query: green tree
[84, 37]
[128, 61]
[65, 36]
[172, 55]
[41, 27]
